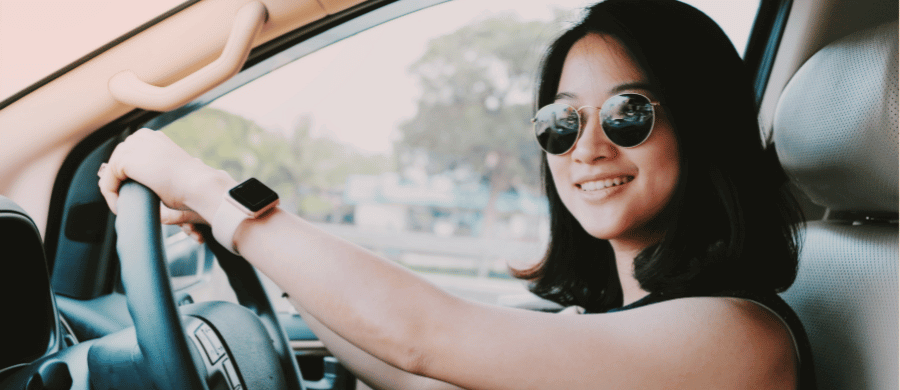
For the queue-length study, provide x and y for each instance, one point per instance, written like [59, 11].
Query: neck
[625, 252]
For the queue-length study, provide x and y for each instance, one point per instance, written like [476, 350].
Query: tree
[305, 171]
[476, 104]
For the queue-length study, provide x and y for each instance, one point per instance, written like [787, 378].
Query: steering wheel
[198, 344]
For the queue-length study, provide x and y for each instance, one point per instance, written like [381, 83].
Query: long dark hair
[732, 223]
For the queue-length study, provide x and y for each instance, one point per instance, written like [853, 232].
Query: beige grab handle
[127, 88]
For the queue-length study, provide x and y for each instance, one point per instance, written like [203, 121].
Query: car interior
[95, 300]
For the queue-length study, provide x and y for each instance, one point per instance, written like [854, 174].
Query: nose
[593, 145]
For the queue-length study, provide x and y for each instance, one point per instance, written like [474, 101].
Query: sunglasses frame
[581, 124]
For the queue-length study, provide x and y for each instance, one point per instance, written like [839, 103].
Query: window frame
[765, 38]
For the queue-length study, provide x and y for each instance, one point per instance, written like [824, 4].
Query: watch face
[253, 194]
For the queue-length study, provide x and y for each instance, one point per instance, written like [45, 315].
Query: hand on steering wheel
[167, 356]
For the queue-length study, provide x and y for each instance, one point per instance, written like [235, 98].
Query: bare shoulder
[732, 342]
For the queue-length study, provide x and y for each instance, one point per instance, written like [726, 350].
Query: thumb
[170, 216]
[194, 232]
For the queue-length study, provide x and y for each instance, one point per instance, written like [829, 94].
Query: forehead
[595, 67]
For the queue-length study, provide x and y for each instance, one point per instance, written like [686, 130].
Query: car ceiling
[41, 126]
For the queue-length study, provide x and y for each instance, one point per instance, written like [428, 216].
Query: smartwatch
[247, 200]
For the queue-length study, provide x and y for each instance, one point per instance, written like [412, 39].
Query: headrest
[836, 124]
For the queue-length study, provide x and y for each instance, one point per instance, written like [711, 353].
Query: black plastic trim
[85, 210]
[765, 38]
[95, 318]
[66, 174]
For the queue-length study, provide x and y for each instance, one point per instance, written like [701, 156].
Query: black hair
[731, 223]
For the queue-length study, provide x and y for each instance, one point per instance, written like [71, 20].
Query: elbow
[398, 345]
[417, 336]
[414, 361]
[410, 351]
[414, 341]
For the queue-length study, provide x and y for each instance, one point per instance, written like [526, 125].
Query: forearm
[371, 370]
[375, 304]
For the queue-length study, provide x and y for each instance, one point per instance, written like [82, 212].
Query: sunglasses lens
[627, 119]
[556, 128]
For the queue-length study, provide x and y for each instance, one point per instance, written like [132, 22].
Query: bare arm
[369, 369]
[410, 324]
[401, 319]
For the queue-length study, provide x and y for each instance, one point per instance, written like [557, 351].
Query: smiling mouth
[604, 184]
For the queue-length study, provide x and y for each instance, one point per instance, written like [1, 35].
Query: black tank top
[806, 379]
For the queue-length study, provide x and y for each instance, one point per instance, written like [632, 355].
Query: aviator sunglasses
[626, 119]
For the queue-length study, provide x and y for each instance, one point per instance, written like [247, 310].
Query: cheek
[665, 162]
[664, 185]
[559, 173]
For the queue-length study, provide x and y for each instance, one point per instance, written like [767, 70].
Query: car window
[415, 146]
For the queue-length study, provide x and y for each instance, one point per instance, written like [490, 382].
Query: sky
[363, 103]
[358, 91]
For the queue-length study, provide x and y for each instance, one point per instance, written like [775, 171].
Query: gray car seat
[836, 135]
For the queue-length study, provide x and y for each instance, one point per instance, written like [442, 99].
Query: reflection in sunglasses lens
[627, 119]
[556, 128]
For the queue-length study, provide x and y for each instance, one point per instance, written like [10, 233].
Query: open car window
[415, 146]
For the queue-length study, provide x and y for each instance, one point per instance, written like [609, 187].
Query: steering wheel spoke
[197, 346]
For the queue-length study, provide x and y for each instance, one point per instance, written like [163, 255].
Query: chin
[641, 236]
[600, 230]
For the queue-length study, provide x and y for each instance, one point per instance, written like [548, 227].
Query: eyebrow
[641, 85]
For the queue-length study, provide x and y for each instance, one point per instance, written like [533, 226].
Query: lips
[603, 183]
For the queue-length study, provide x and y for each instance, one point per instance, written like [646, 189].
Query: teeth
[602, 184]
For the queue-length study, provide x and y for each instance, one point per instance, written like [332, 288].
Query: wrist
[206, 189]
[246, 201]
[242, 232]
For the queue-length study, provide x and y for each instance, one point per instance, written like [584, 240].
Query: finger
[109, 187]
[192, 231]
[170, 216]
[112, 174]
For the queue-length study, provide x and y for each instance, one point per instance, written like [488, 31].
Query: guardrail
[439, 256]
[482, 253]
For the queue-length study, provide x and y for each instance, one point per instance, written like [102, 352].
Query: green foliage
[477, 84]
[294, 166]
[475, 107]
[316, 205]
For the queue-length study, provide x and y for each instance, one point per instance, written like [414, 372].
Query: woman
[667, 215]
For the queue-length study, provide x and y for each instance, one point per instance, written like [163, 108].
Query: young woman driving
[667, 216]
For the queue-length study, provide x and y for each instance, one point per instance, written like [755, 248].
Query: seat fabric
[836, 135]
